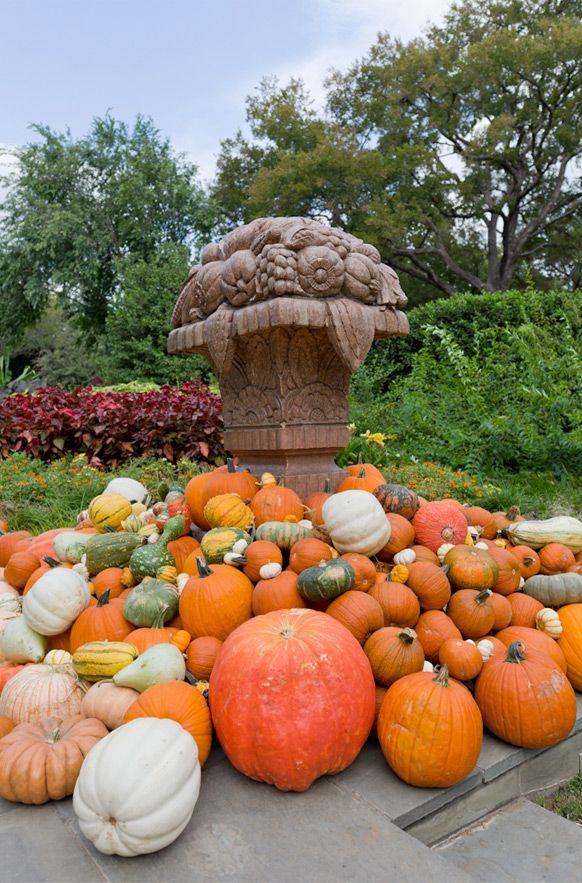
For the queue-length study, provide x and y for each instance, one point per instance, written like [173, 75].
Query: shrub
[110, 427]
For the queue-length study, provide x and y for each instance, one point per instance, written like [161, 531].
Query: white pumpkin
[9, 602]
[548, 621]
[535, 534]
[40, 691]
[58, 657]
[138, 787]
[18, 642]
[132, 490]
[405, 557]
[55, 601]
[356, 522]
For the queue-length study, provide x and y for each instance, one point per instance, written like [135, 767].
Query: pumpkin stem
[442, 678]
[362, 473]
[515, 653]
[513, 512]
[103, 598]
[407, 636]
[55, 736]
[327, 486]
[203, 568]
[230, 467]
[52, 562]
[483, 596]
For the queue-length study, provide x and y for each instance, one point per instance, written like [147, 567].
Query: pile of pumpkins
[292, 629]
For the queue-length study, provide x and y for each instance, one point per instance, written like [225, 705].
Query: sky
[189, 64]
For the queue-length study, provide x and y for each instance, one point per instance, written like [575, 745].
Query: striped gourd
[219, 541]
[283, 533]
[108, 511]
[100, 660]
[326, 581]
[111, 550]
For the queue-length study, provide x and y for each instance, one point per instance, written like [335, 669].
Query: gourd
[562, 529]
[282, 533]
[326, 580]
[132, 490]
[148, 600]
[58, 657]
[549, 622]
[130, 815]
[406, 557]
[147, 560]
[108, 511]
[9, 603]
[397, 498]
[111, 550]
[228, 510]
[98, 660]
[19, 643]
[70, 541]
[41, 691]
[159, 664]
[55, 601]
[108, 703]
[555, 590]
[219, 541]
[356, 522]
[41, 762]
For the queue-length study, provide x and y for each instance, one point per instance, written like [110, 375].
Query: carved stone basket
[285, 309]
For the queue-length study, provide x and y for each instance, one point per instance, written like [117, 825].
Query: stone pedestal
[284, 325]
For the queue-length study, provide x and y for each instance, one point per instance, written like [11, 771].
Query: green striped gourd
[147, 601]
[110, 550]
[147, 560]
[219, 541]
[283, 533]
[326, 580]
[100, 660]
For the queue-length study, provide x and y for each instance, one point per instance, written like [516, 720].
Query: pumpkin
[230, 481]
[6, 726]
[46, 565]
[482, 520]
[219, 541]
[196, 499]
[524, 609]
[360, 482]
[326, 580]
[111, 550]
[20, 567]
[393, 653]
[422, 553]
[258, 555]
[280, 593]
[401, 536]
[525, 700]
[148, 600]
[201, 656]
[399, 603]
[181, 548]
[98, 660]
[570, 642]
[432, 629]
[147, 560]
[257, 722]
[228, 510]
[55, 601]
[430, 585]
[502, 609]
[314, 503]
[439, 522]
[41, 761]
[60, 642]
[533, 639]
[471, 612]
[527, 559]
[144, 638]
[104, 622]
[555, 590]
[356, 522]
[180, 702]
[153, 812]
[554, 558]
[40, 691]
[358, 612]
[397, 499]
[109, 580]
[108, 511]
[364, 570]
[504, 519]
[562, 529]
[283, 533]
[369, 470]
[309, 552]
[509, 576]
[276, 503]
[8, 543]
[549, 622]
[462, 658]
[471, 568]
[430, 729]
[108, 703]
[215, 601]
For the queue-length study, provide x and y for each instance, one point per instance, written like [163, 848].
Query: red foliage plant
[110, 427]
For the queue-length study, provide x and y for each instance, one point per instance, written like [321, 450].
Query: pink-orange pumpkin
[439, 522]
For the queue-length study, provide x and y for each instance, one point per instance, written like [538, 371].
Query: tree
[454, 153]
[80, 207]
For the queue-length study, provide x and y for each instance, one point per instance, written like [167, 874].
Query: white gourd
[535, 534]
[138, 787]
[405, 557]
[157, 665]
[9, 603]
[486, 649]
[270, 570]
[19, 643]
[58, 657]
[427, 666]
[548, 621]
[442, 551]
[55, 601]
[356, 522]
[67, 538]
[132, 490]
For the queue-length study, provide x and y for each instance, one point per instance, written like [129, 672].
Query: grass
[567, 801]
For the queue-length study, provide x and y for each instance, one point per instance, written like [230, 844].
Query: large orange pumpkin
[525, 700]
[554, 558]
[432, 630]
[534, 639]
[230, 481]
[399, 603]
[180, 702]
[430, 729]
[570, 642]
[364, 570]
[439, 522]
[358, 612]
[201, 656]
[215, 601]
[288, 673]
[393, 653]
[103, 622]
[430, 585]
[279, 593]
[401, 536]
[360, 482]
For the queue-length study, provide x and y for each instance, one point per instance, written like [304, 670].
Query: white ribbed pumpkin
[55, 601]
[356, 522]
[40, 691]
[138, 787]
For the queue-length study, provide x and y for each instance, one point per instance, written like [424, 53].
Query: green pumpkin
[110, 550]
[147, 560]
[326, 580]
[216, 543]
[150, 602]
[283, 533]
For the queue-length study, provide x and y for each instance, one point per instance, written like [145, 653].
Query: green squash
[283, 533]
[111, 550]
[150, 602]
[326, 580]
[216, 543]
[147, 560]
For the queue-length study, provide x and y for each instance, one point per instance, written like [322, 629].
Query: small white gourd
[270, 570]
[486, 649]
[548, 621]
[427, 666]
[405, 557]
[58, 657]
[442, 551]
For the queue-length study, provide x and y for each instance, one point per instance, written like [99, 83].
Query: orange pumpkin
[425, 554]
[20, 567]
[554, 558]
[401, 536]
[308, 552]
[7, 671]
[439, 522]
[358, 612]
[534, 639]
[9, 542]
[502, 610]
[524, 609]
[432, 629]
[462, 659]
[504, 519]
[103, 622]
[528, 560]
[216, 601]
[229, 481]
[472, 612]
[364, 570]
[62, 641]
[360, 482]
[399, 603]
[369, 471]
[482, 520]
[196, 500]
[181, 549]
[158, 633]
[393, 653]
[509, 576]
[430, 584]
[570, 642]
[201, 656]
[279, 593]
[314, 503]
[109, 580]
[471, 568]
[258, 554]
[180, 702]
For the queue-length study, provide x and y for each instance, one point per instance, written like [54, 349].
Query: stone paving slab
[521, 842]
